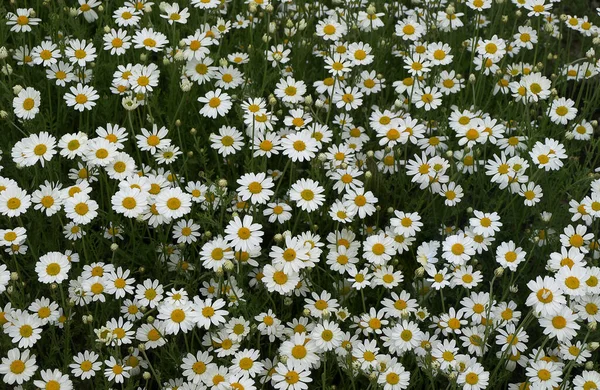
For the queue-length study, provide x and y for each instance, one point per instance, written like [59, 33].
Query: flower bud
[228, 265]
[419, 272]
[14, 276]
[146, 375]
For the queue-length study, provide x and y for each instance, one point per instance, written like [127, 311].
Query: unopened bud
[419, 272]
[228, 265]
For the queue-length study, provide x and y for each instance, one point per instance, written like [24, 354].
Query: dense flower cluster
[223, 194]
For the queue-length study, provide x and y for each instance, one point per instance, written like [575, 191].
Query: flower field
[296, 194]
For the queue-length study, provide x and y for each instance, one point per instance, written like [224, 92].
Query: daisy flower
[186, 231]
[485, 224]
[255, 187]
[22, 20]
[26, 104]
[546, 297]
[207, 313]
[116, 370]
[85, 365]
[144, 78]
[62, 72]
[288, 377]
[394, 377]
[228, 141]
[300, 351]
[148, 39]
[474, 377]
[276, 280]
[307, 194]
[278, 211]
[428, 98]
[53, 378]
[173, 203]
[244, 235]
[216, 103]
[176, 317]
[14, 201]
[174, 15]
[80, 52]
[290, 91]
[299, 146]
[80, 208]
[18, 367]
[82, 97]
[116, 41]
[458, 249]
[330, 30]
[246, 363]
[23, 328]
[39, 148]
[562, 111]
[544, 374]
